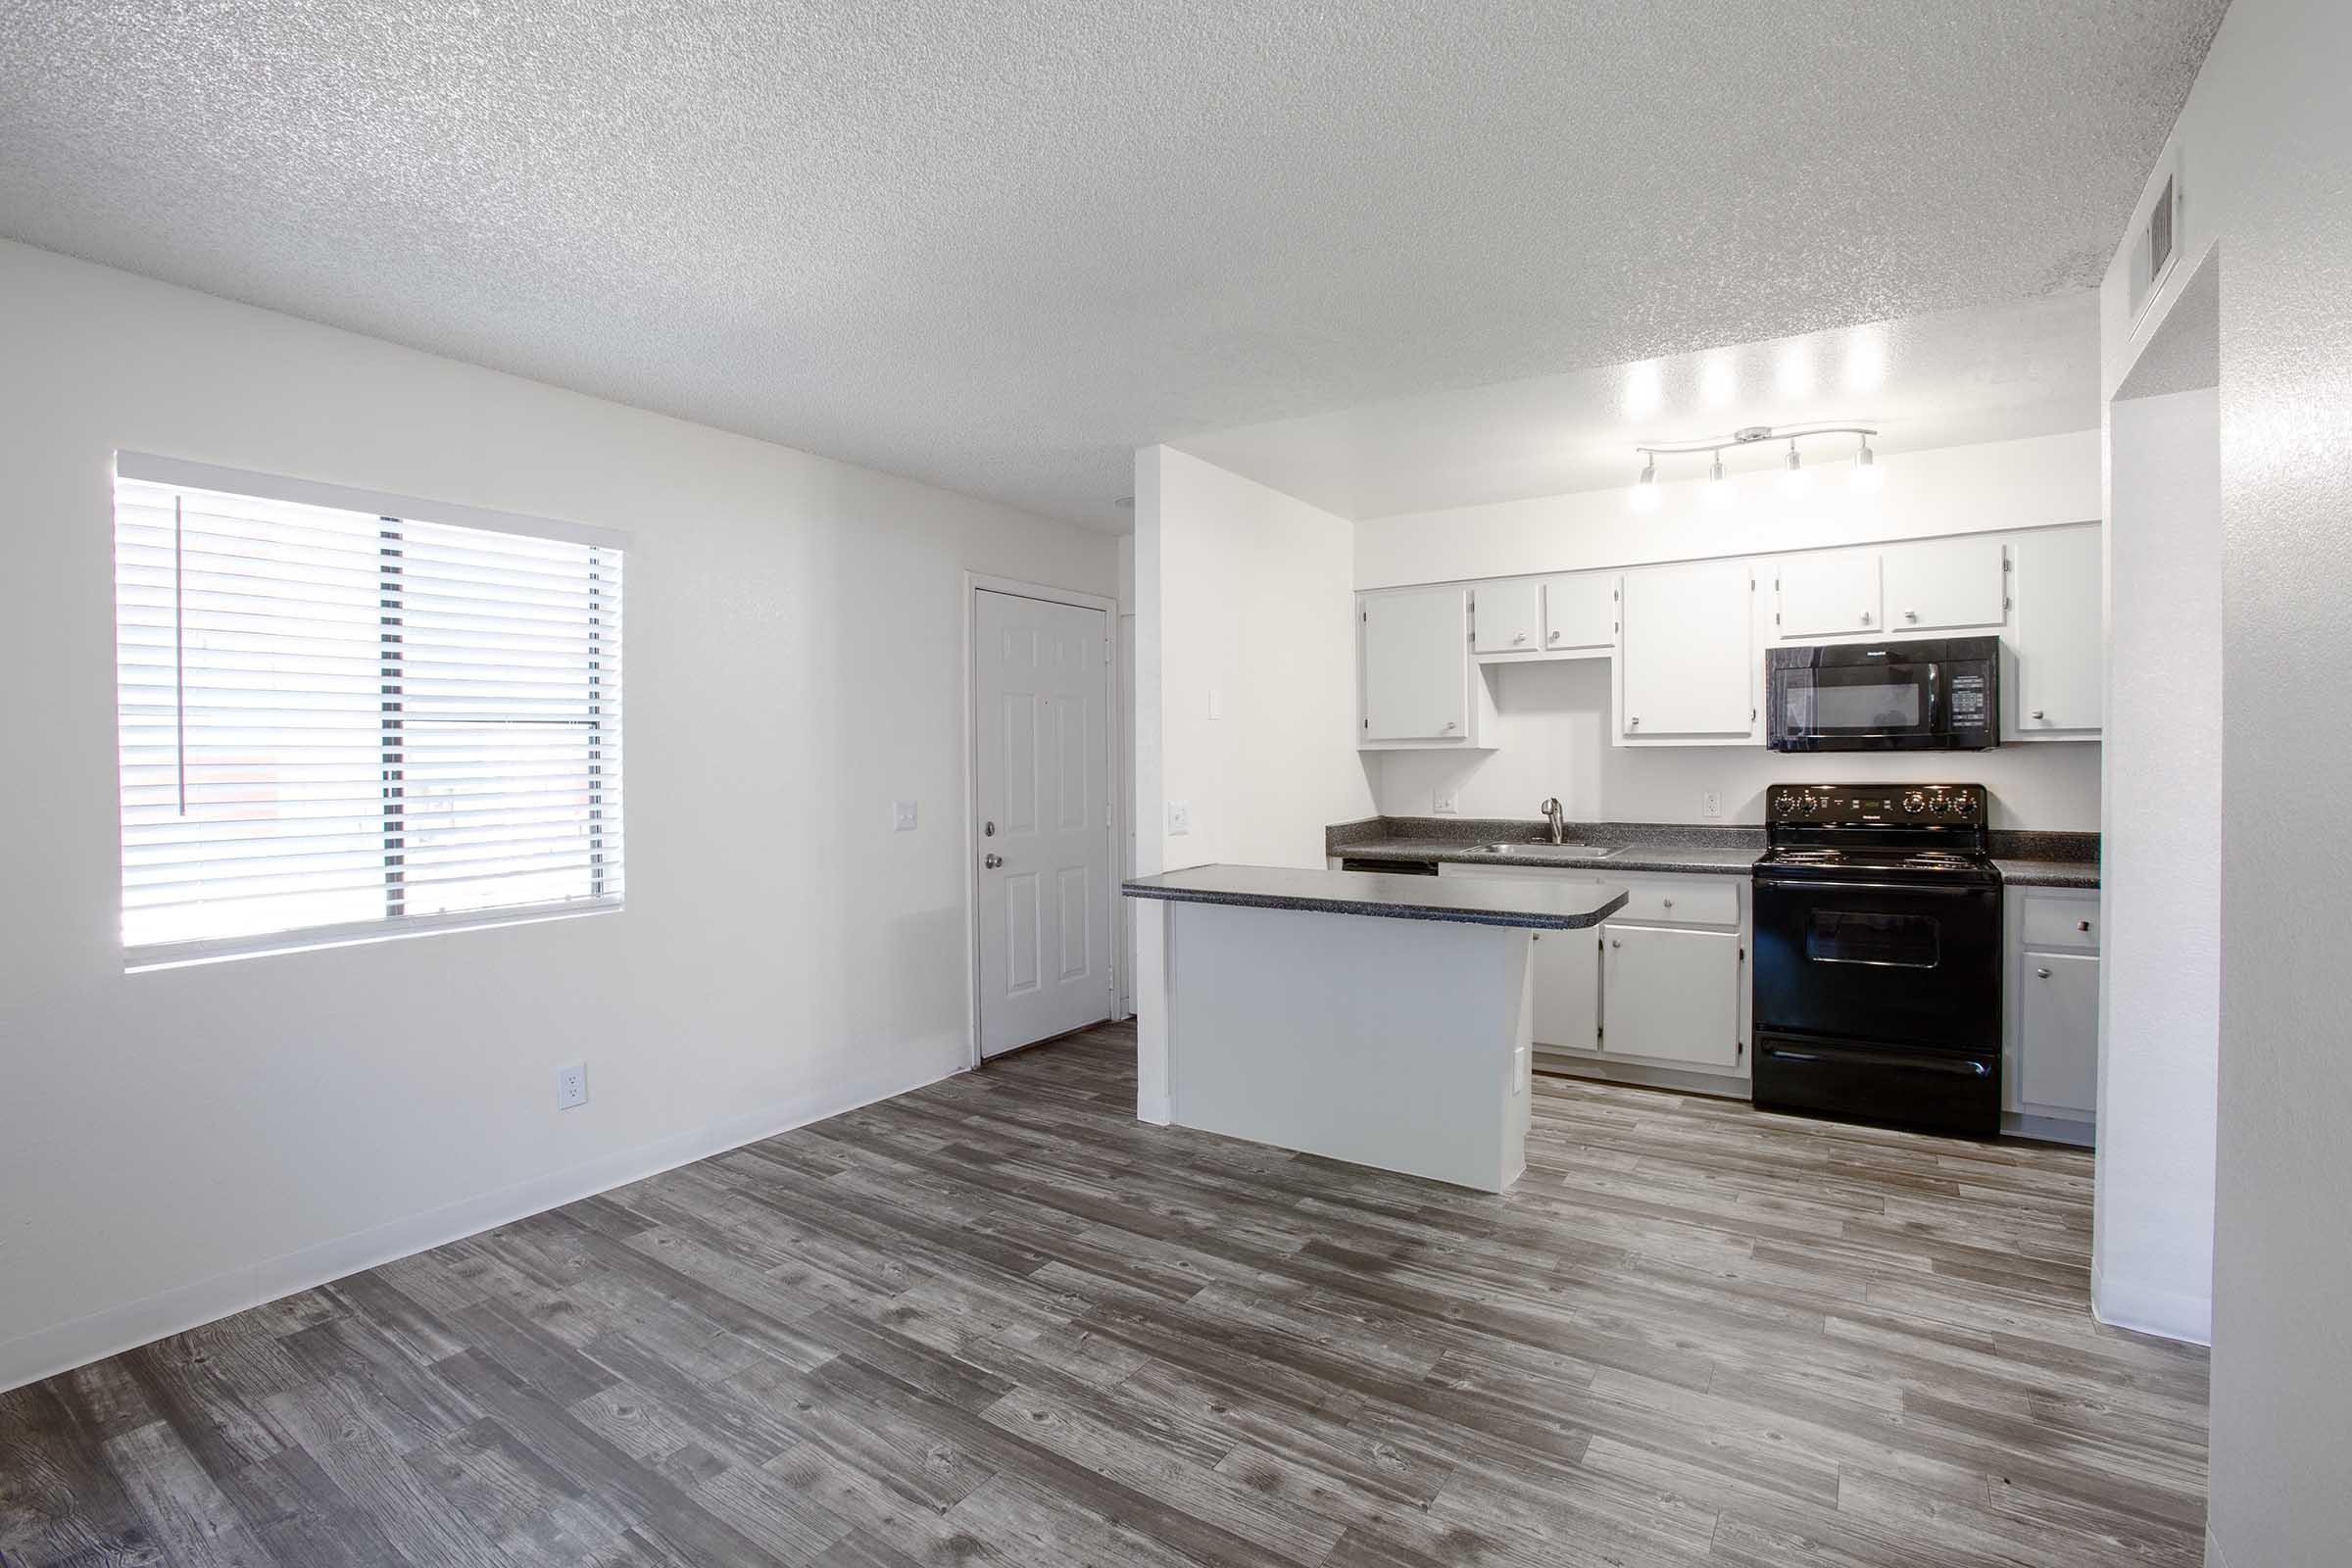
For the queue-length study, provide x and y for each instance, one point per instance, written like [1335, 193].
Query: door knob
[993, 861]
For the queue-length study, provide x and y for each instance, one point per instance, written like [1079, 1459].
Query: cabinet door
[2059, 636]
[2058, 1060]
[1828, 595]
[1687, 666]
[1671, 995]
[1416, 663]
[1580, 612]
[1943, 584]
[1567, 990]
[1507, 617]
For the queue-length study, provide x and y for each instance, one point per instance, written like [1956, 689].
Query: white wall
[1246, 594]
[2160, 951]
[2266, 163]
[1552, 739]
[174, 1144]
[1986, 488]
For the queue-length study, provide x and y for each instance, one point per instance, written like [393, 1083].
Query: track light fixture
[1794, 478]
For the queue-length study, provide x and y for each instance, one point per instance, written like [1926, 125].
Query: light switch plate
[1711, 804]
[1445, 801]
[901, 816]
[1180, 817]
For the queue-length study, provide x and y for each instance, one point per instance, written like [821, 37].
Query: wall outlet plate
[1445, 801]
[1180, 817]
[1711, 804]
[901, 816]
[572, 1086]
[1216, 703]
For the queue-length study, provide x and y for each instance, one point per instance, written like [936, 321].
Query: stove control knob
[1914, 804]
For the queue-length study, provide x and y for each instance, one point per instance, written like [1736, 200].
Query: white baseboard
[78, 1341]
[2150, 1309]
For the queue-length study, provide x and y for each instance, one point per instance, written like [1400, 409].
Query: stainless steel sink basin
[1566, 852]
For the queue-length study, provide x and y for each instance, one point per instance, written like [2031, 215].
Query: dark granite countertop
[1638, 857]
[2025, 859]
[1529, 905]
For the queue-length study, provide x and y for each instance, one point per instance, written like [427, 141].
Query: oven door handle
[1924, 889]
[1962, 1066]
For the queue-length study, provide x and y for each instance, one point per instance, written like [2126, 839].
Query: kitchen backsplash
[1552, 739]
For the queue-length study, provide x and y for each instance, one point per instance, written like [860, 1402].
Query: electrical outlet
[1216, 703]
[1711, 804]
[1180, 817]
[901, 816]
[1445, 801]
[572, 1086]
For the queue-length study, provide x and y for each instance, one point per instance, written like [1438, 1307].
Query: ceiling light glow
[1795, 376]
[1644, 390]
[1717, 384]
[1866, 360]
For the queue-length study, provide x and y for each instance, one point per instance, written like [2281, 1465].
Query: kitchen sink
[1566, 852]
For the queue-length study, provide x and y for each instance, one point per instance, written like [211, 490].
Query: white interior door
[1044, 834]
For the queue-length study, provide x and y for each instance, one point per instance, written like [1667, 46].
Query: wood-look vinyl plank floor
[996, 1321]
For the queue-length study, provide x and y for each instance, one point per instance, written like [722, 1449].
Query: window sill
[364, 933]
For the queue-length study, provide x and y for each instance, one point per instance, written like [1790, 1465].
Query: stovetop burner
[1890, 831]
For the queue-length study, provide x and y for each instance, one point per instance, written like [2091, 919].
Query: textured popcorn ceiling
[997, 245]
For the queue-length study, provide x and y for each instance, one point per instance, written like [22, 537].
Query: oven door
[1897, 963]
[1883, 705]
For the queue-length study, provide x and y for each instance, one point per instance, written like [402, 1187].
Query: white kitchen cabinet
[1688, 670]
[1567, 990]
[2050, 1049]
[1580, 613]
[2058, 1013]
[1507, 617]
[2057, 676]
[1827, 593]
[1671, 995]
[1418, 685]
[1945, 584]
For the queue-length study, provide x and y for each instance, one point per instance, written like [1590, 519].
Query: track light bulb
[1796, 481]
[1646, 489]
[1717, 491]
[1867, 478]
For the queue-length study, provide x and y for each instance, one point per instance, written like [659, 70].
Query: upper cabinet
[1688, 669]
[1507, 617]
[1580, 613]
[2057, 677]
[1830, 593]
[1945, 584]
[1416, 681]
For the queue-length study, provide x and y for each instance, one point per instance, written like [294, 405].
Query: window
[337, 722]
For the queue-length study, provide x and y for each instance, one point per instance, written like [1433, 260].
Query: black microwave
[1929, 694]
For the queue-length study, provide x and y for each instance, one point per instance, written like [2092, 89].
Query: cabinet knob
[1556, 636]
[2037, 712]
[1633, 723]
[1866, 617]
[2043, 973]
[2082, 925]
[1669, 903]
[1518, 636]
[1449, 724]
[1614, 942]
[1910, 615]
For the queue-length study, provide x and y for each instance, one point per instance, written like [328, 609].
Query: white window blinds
[335, 721]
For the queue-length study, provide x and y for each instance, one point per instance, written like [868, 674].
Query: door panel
[2058, 1061]
[1417, 666]
[1830, 594]
[1567, 990]
[1945, 584]
[1687, 666]
[1043, 777]
[1506, 616]
[1671, 995]
[2059, 632]
[1580, 612]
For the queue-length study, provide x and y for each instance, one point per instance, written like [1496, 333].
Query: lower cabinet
[1671, 995]
[2050, 1057]
[1662, 986]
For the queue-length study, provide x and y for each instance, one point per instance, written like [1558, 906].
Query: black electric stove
[1877, 973]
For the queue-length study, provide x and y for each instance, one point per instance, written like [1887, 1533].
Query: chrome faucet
[1554, 815]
